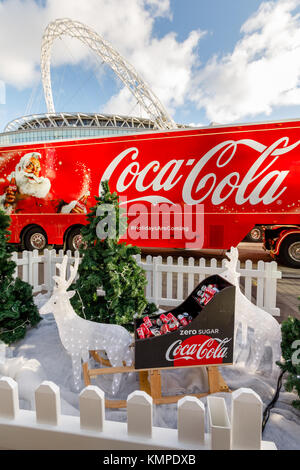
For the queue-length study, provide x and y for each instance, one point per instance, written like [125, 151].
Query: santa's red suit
[30, 204]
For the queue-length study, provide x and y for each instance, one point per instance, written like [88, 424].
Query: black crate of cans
[200, 331]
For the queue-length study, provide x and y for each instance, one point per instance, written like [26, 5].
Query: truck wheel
[74, 239]
[289, 253]
[255, 235]
[35, 239]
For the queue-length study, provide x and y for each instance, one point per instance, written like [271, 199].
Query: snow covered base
[43, 344]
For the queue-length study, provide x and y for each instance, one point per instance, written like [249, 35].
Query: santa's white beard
[39, 187]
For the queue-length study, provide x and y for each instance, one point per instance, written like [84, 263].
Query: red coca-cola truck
[187, 188]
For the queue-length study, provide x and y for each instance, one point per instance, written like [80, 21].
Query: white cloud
[2, 92]
[165, 63]
[262, 72]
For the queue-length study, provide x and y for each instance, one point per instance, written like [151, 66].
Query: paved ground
[288, 288]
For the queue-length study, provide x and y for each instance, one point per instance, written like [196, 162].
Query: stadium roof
[58, 120]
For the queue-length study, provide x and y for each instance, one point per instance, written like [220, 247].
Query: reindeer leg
[115, 362]
[76, 363]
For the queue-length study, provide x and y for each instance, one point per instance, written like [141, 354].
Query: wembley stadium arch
[123, 69]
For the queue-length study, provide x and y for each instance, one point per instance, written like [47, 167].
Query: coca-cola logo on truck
[208, 178]
[198, 350]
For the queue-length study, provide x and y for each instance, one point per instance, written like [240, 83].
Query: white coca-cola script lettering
[199, 351]
[263, 181]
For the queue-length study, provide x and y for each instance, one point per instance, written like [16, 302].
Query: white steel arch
[125, 71]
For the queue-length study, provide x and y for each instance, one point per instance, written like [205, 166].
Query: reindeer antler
[61, 282]
[233, 256]
[73, 272]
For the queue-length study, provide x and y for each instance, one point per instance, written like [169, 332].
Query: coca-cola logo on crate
[204, 334]
[198, 350]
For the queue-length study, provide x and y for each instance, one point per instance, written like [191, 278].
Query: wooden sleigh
[212, 322]
[150, 354]
[150, 381]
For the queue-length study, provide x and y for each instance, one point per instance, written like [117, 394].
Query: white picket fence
[47, 429]
[168, 281]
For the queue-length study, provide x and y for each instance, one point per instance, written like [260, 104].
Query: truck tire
[255, 235]
[35, 239]
[289, 252]
[74, 239]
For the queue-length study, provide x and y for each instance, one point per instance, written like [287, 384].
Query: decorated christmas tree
[110, 265]
[17, 309]
[290, 347]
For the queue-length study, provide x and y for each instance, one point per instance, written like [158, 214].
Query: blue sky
[206, 60]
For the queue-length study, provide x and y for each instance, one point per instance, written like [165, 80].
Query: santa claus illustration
[27, 189]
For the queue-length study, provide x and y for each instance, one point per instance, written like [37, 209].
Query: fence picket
[180, 279]
[271, 274]
[191, 276]
[47, 403]
[30, 266]
[9, 400]
[202, 266]
[149, 284]
[155, 280]
[190, 422]
[159, 280]
[246, 418]
[92, 409]
[248, 280]
[25, 266]
[169, 278]
[14, 258]
[139, 414]
[260, 284]
[35, 271]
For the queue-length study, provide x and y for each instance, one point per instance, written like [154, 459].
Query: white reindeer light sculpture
[80, 336]
[266, 330]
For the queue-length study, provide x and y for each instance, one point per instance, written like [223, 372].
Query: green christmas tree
[17, 309]
[110, 265]
[290, 347]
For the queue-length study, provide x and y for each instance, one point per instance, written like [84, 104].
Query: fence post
[139, 414]
[92, 410]
[9, 401]
[219, 424]
[246, 419]
[47, 403]
[190, 422]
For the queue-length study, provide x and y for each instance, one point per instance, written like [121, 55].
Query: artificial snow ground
[43, 344]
